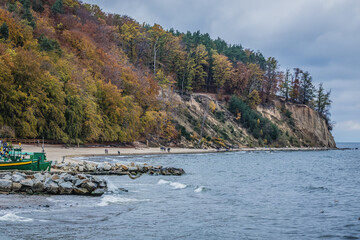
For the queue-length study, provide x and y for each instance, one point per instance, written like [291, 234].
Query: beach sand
[58, 153]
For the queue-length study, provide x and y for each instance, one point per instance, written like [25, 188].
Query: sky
[319, 36]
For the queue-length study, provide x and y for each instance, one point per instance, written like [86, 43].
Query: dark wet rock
[5, 185]
[98, 192]
[38, 186]
[52, 188]
[65, 188]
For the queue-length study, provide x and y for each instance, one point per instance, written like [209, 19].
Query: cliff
[299, 125]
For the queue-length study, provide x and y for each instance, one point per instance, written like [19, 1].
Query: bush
[253, 121]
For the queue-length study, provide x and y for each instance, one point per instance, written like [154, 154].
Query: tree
[271, 78]
[221, 70]
[295, 85]
[285, 85]
[57, 7]
[239, 79]
[27, 13]
[256, 77]
[306, 88]
[4, 31]
[37, 5]
[253, 99]
[201, 61]
[323, 101]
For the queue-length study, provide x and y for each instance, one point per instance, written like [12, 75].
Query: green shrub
[253, 121]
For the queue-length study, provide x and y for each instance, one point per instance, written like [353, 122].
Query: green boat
[14, 158]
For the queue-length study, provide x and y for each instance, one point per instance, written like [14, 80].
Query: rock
[135, 169]
[81, 168]
[29, 191]
[65, 188]
[38, 186]
[132, 164]
[79, 182]
[16, 186]
[3, 174]
[81, 176]
[5, 185]
[27, 182]
[52, 187]
[39, 176]
[107, 167]
[100, 167]
[55, 177]
[98, 192]
[123, 167]
[7, 177]
[81, 191]
[102, 184]
[90, 186]
[17, 178]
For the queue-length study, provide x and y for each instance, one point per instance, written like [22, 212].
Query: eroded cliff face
[300, 121]
[299, 124]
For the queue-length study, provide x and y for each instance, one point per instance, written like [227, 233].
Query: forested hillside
[70, 72]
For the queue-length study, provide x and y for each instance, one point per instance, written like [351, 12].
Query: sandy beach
[58, 153]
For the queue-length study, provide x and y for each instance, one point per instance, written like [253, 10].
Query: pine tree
[57, 7]
[4, 31]
[285, 85]
[307, 89]
[37, 5]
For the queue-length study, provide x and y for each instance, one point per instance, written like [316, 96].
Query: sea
[231, 195]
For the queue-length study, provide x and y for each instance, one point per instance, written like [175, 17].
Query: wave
[111, 199]
[199, 189]
[12, 217]
[175, 185]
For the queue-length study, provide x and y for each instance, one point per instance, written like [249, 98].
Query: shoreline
[59, 153]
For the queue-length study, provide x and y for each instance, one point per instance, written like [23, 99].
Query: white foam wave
[111, 186]
[175, 185]
[199, 189]
[12, 217]
[111, 199]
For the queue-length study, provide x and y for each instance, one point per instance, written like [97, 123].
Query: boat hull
[26, 165]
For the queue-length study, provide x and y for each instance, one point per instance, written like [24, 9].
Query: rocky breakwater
[106, 168]
[51, 183]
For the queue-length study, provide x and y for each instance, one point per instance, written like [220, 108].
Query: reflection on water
[240, 195]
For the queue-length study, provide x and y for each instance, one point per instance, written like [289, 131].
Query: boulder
[39, 177]
[7, 177]
[27, 182]
[90, 186]
[17, 178]
[79, 182]
[52, 187]
[100, 166]
[3, 174]
[65, 188]
[81, 176]
[81, 191]
[38, 186]
[16, 186]
[80, 168]
[5, 185]
[98, 192]
[55, 177]
[107, 167]
[123, 167]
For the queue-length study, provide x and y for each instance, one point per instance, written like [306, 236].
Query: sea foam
[112, 199]
[12, 217]
[175, 185]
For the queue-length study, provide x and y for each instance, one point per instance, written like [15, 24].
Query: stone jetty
[51, 183]
[107, 168]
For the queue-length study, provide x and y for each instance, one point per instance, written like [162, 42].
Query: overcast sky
[319, 36]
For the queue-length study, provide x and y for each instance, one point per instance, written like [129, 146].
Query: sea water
[233, 195]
